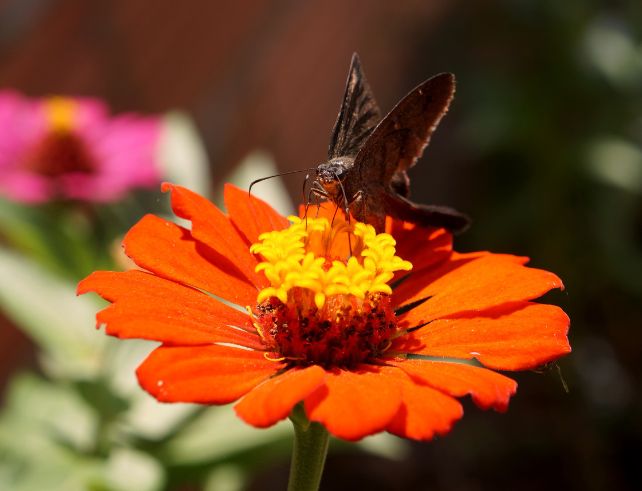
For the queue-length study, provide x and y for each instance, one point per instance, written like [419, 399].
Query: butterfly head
[332, 173]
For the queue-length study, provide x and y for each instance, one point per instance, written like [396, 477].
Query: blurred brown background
[544, 88]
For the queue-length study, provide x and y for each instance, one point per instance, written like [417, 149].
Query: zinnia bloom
[70, 148]
[371, 333]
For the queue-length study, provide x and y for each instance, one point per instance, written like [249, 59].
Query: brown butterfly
[368, 157]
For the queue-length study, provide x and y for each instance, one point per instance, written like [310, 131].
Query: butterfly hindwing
[425, 215]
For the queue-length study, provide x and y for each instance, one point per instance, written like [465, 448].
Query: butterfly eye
[330, 171]
[339, 171]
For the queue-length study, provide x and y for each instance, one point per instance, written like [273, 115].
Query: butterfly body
[368, 157]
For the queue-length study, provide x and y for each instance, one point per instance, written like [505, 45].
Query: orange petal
[425, 412]
[423, 247]
[352, 404]
[487, 388]
[462, 284]
[252, 216]
[419, 281]
[326, 209]
[212, 227]
[274, 399]
[170, 251]
[203, 374]
[150, 307]
[511, 337]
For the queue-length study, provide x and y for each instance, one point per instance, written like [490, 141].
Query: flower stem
[309, 452]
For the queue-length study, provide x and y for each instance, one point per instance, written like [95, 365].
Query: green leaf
[130, 470]
[218, 434]
[616, 162]
[48, 310]
[226, 478]
[44, 428]
[39, 414]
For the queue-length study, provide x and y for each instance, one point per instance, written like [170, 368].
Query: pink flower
[70, 148]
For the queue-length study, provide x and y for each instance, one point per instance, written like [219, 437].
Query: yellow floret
[295, 258]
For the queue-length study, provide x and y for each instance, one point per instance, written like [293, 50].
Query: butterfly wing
[400, 138]
[426, 215]
[358, 116]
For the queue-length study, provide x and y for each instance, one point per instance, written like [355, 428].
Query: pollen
[328, 296]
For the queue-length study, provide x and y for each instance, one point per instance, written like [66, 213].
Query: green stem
[308, 454]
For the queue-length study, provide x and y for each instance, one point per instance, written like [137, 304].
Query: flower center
[61, 151]
[61, 114]
[328, 302]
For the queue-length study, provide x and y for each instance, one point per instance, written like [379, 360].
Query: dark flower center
[343, 333]
[59, 153]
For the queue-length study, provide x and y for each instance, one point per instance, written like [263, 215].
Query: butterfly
[368, 157]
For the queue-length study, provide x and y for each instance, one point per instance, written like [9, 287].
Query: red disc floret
[345, 332]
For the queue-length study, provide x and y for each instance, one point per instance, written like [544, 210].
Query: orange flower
[312, 326]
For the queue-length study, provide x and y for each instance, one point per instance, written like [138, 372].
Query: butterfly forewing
[358, 116]
[400, 138]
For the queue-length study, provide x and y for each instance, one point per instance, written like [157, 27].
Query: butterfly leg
[368, 209]
[316, 191]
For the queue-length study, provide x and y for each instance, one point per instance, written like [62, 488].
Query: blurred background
[542, 147]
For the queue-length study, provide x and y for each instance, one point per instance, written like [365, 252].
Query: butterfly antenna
[256, 181]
